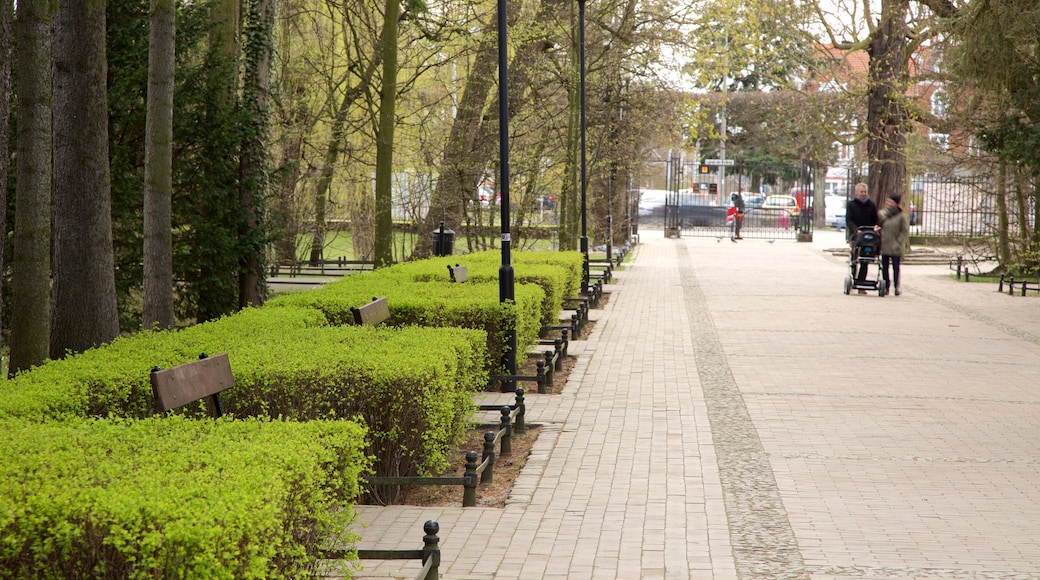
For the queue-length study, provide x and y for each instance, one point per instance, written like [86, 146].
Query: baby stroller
[865, 252]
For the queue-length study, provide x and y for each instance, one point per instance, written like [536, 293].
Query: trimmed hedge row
[92, 486]
[415, 406]
[113, 379]
[432, 304]
[172, 497]
[553, 272]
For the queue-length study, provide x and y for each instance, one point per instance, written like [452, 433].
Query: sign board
[726, 162]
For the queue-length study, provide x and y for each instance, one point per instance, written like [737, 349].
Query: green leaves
[416, 6]
[93, 485]
[170, 497]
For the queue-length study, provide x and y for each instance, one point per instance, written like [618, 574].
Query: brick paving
[735, 415]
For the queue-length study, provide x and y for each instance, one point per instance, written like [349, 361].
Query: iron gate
[697, 209]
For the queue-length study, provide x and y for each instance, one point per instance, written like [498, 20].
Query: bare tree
[84, 292]
[31, 268]
[157, 309]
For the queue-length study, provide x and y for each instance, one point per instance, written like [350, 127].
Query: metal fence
[951, 206]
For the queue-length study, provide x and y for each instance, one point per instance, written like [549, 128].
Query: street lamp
[584, 179]
[505, 272]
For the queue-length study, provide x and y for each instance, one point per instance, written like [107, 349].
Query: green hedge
[434, 304]
[413, 386]
[113, 379]
[552, 271]
[172, 497]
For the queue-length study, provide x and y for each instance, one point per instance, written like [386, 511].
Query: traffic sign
[726, 162]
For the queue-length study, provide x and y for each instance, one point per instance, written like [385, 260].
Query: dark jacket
[738, 202]
[860, 213]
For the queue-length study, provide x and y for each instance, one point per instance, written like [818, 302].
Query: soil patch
[494, 494]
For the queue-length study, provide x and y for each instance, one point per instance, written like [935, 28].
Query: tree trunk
[384, 247]
[886, 103]
[1003, 239]
[255, 163]
[466, 151]
[224, 33]
[6, 42]
[85, 313]
[157, 310]
[31, 268]
[471, 147]
[570, 210]
[30, 279]
[1022, 204]
[328, 169]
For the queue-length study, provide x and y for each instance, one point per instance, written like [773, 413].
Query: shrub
[113, 379]
[553, 272]
[172, 497]
[433, 304]
[412, 385]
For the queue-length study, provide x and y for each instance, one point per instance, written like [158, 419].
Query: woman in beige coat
[894, 229]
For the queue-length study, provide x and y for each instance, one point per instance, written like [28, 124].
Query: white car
[834, 206]
[651, 201]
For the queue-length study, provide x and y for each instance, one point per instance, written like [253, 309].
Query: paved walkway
[735, 415]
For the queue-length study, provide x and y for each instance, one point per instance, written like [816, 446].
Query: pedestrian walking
[894, 229]
[860, 212]
[736, 212]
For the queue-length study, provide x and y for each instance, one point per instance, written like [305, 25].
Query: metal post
[432, 548]
[505, 273]
[584, 179]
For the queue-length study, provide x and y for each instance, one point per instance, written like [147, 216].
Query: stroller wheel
[848, 285]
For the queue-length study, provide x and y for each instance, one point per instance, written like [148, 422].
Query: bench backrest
[372, 313]
[458, 273]
[189, 382]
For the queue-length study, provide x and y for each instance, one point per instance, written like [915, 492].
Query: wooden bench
[208, 377]
[190, 382]
[457, 273]
[372, 313]
[339, 267]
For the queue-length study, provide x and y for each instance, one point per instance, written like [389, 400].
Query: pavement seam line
[762, 539]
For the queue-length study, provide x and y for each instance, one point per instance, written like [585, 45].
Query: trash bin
[443, 241]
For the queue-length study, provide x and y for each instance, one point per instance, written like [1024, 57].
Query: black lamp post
[505, 272]
[584, 180]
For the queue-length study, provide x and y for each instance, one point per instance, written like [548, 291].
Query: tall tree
[6, 10]
[384, 247]
[157, 310]
[85, 312]
[886, 102]
[255, 162]
[31, 269]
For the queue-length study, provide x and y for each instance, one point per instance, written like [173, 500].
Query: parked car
[785, 202]
[834, 206]
[695, 209]
[753, 200]
[651, 201]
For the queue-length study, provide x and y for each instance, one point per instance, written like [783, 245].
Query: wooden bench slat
[189, 382]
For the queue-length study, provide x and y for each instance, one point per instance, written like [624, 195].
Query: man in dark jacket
[860, 212]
